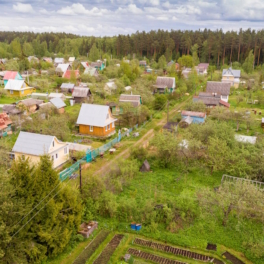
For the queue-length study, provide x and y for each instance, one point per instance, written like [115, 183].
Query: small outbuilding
[86, 229]
[41, 96]
[59, 104]
[145, 166]
[197, 117]
[30, 105]
[57, 95]
[67, 87]
[186, 122]
[81, 94]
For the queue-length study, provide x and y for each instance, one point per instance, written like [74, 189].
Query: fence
[91, 155]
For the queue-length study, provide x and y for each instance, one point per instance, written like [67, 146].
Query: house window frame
[56, 155]
[91, 128]
[65, 151]
[11, 91]
[108, 127]
[53, 144]
[224, 97]
[22, 92]
[113, 124]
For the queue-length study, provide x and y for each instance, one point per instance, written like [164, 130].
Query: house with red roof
[11, 75]
[5, 124]
[69, 73]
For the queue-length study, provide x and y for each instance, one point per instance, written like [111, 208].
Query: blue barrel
[133, 226]
[138, 227]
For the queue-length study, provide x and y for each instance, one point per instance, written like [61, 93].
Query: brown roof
[221, 88]
[4, 121]
[191, 113]
[11, 109]
[163, 82]
[127, 98]
[31, 101]
[214, 101]
[203, 65]
[80, 92]
[224, 103]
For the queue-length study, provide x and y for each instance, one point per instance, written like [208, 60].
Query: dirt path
[144, 140]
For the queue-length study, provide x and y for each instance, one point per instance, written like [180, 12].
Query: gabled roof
[193, 114]
[63, 67]
[163, 82]
[57, 102]
[11, 109]
[33, 144]
[187, 120]
[4, 121]
[111, 85]
[94, 115]
[16, 85]
[71, 59]
[230, 71]
[91, 71]
[222, 88]
[127, 98]
[203, 65]
[85, 64]
[31, 101]
[68, 74]
[10, 75]
[67, 86]
[80, 92]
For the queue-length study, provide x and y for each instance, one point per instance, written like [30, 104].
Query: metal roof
[91, 71]
[10, 75]
[15, 85]
[94, 115]
[63, 66]
[246, 139]
[57, 102]
[56, 95]
[169, 82]
[230, 71]
[33, 144]
[67, 86]
[222, 88]
[58, 60]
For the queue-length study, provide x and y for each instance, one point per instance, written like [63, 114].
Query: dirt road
[143, 141]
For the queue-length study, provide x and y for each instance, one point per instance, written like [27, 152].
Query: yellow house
[231, 76]
[18, 88]
[33, 146]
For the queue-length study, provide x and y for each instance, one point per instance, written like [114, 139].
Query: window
[113, 124]
[22, 92]
[106, 128]
[227, 78]
[91, 128]
[52, 157]
[224, 97]
[11, 92]
[53, 144]
[65, 151]
[57, 155]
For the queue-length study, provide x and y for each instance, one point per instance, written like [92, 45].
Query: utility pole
[80, 171]
[168, 103]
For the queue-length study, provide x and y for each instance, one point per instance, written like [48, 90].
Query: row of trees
[216, 47]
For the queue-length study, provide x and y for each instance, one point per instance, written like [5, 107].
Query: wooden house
[96, 121]
[47, 59]
[133, 100]
[11, 75]
[58, 61]
[67, 87]
[202, 68]
[18, 88]
[70, 73]
[30, 105]
[143, 63]
[99, 65]
[165, 84]
[33, 146]
[197, 117]
[59, 104]
[11, 109]
[71, 59]
[5, 125]
[145, 167]
[81, 94]
[219, 88]
[231, 76]
[210, 100]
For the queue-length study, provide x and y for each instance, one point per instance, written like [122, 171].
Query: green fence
[91, 155]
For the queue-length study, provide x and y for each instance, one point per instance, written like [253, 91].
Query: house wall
[57, 149]
[224, 98]
[21, 93]
[61, 110]
[97, 131]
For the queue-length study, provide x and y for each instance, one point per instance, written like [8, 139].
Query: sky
[113, 17]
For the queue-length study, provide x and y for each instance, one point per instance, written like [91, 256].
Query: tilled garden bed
[148, 256]
[87, 252]
[232, 258]
[175, 251]
[109, 250]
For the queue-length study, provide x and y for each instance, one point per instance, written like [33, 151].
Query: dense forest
[216, 47]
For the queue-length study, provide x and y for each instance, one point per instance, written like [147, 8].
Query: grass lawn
[8, 100]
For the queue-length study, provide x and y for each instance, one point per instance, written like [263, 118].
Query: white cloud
[162, 18]
[44, 11]
[132, 8]
[79, 9]
[23, 8]
[150, 2]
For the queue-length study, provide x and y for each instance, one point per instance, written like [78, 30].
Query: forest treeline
[216, 47]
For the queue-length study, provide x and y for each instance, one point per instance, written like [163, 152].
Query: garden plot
[153, 258]
[109, 250]
[174, 250]
[90, 249]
